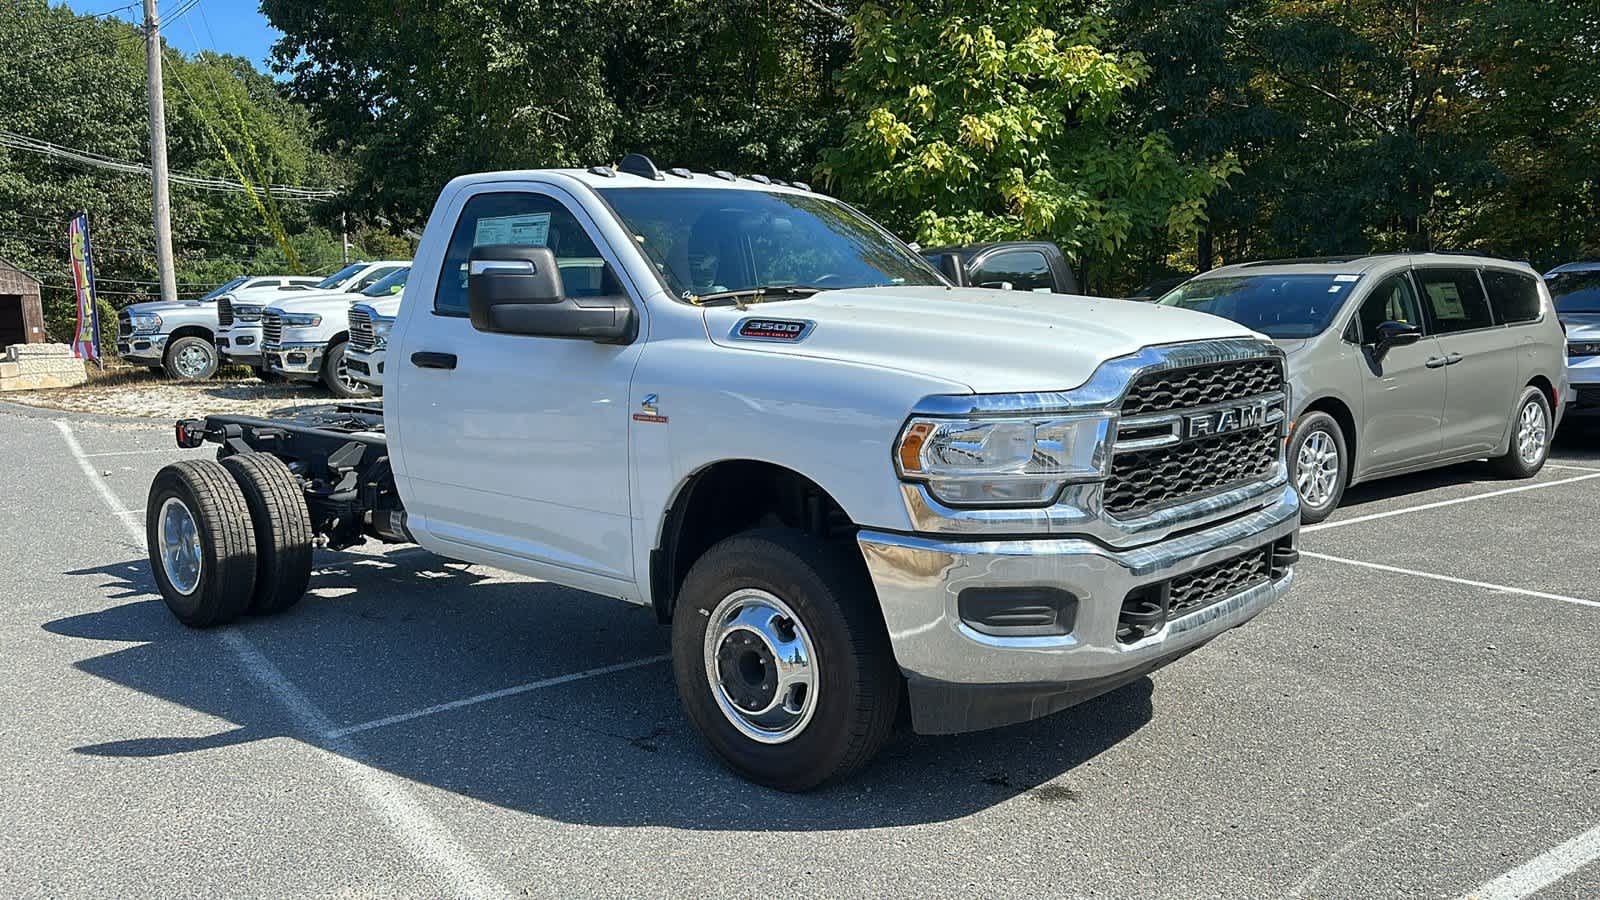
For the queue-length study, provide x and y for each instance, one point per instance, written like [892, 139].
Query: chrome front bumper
[963, 680]
[297, 359]
[240, 343]
[143, 347]
[366, 366]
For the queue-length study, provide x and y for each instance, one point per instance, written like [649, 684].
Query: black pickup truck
[1012, 265]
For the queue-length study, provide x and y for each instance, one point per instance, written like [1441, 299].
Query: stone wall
[26, 367]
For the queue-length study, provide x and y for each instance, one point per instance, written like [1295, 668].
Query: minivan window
[1514, 295]
[1575, 292]
[1024, 270]
[1279, 306]
[1455, 299]
[1393, 300]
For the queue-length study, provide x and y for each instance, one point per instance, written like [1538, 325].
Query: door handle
[1452, 359]
[427, 359]
[1436, 362]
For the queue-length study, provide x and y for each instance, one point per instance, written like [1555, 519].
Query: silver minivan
[1401, 362]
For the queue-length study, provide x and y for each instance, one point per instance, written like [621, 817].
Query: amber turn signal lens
[911, 447]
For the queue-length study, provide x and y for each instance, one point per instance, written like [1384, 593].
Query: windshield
[219, 291]
[1278, 306]
[343, 275]
[391, 283]
[1575, 292]
[710, 240]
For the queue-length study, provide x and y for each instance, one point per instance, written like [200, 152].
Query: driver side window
[1393, 300]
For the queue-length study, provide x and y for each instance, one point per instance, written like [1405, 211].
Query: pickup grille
[271, 329]
[1148, 478]
[1219, 581]
[224, 311]
[361, 336]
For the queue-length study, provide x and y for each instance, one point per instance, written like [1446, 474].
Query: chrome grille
[224, 311]
[1201, 385]
[271, 329]
[361, 336]
[1156, 464]
[1219, 581]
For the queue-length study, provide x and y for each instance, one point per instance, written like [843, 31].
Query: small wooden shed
[21, 312]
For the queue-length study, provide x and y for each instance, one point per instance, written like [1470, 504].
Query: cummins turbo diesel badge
[773, 329]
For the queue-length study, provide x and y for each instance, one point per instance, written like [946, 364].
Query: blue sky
[236, 26]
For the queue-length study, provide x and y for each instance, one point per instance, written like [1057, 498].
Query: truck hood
[993, 341]
[162, 307]
[383, 306]
[309, 301]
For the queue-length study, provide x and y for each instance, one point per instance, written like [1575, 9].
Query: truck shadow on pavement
[384, 635]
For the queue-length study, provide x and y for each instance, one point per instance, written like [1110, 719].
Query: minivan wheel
[781, 658]
[1319, 466]
[1530, 437]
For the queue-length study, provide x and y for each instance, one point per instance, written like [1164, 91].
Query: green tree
[979, 121]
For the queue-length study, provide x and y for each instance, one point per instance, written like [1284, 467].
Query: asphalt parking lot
[1420, 717]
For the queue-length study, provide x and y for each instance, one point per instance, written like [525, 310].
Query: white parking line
[491, 695]
[385, 794]
[1452, 579]
[1543, 870]
[1551, 465]
[1442, 503]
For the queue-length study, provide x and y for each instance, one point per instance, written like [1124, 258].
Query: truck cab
[307, 337]
[1036, 266]
[239, 311]
[841, 481]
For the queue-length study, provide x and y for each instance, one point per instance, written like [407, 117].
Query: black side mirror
[1394, 334]
[954, 268]
[513, 289]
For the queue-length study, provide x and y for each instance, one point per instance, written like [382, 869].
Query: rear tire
[1319, 465]
[191, 359]
[201, 543]
[1530, 437]
[282, 528]
[854, 685]
[337, 378]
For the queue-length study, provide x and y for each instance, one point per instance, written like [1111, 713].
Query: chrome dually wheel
[182, 557]
[762, 666]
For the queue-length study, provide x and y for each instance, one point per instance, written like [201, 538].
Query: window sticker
[1447, 300]
[527, 230]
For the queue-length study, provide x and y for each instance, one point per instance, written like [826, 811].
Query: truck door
[513, 449]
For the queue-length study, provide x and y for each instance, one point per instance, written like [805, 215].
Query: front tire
[1319, 466]
[782, 661]
[201, 543]
[191, 359]
[1530, 437]
[336, 375]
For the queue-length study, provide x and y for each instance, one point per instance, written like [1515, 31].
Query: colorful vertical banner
[86, 343]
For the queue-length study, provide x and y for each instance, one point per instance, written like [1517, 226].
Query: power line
[16, 141]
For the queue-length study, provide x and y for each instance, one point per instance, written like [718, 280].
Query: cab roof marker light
[680, 172]
[759, 179]
[725, 175]
[603, 171]
[801, 185]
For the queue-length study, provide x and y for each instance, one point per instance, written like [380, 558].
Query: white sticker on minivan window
[528, 230]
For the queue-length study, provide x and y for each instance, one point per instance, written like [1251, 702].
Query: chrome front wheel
[761, 665]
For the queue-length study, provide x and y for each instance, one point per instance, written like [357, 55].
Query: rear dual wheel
[228, 538]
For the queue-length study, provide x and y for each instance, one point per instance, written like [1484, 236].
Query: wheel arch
[1342, 414]
[725, 497]
[183, 331]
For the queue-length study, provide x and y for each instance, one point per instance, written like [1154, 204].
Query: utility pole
[344, 237]
[162, 206]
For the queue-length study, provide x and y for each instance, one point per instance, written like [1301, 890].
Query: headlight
[1583, 348]
[247, 313]
[145, 323]
[301, 320]
[380, 332]
[1021, 461]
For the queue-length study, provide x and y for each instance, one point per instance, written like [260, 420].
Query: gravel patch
[148, 394]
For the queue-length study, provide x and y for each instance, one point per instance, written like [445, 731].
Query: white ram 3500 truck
[843, 482]
[239, 312]
[307, 338]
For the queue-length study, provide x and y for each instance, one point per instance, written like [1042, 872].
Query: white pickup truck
[239, 312]
[307, 337]
[845, 483]
[370, 324]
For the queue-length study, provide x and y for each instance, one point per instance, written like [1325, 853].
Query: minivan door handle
[1436, 362]
[1452, 359]
[427, 359]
